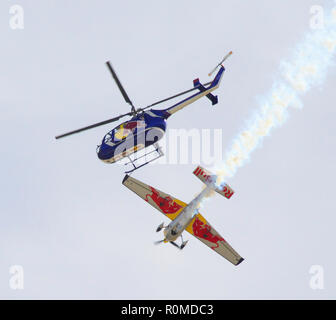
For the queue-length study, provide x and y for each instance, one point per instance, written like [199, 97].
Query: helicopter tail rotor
[214, 69]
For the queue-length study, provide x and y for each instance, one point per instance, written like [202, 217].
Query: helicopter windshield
[107, 137]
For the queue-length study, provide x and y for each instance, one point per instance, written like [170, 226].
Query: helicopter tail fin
[201, 88]
[204, 91]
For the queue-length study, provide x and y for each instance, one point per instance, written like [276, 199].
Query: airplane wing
[203, 231]
[171, 207]
[161, 201]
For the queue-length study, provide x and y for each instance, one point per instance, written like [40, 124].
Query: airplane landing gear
[160, 227]
[183, 244]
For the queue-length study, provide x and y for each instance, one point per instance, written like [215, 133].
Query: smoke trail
[306, 69]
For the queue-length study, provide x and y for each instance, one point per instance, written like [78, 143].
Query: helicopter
[146, 126]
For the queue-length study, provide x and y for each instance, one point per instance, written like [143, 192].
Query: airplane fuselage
[178, 225]
[182, 221]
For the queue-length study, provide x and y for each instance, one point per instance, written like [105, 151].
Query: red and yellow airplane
[186, 216]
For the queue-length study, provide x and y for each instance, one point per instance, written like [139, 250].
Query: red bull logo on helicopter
[125, 129]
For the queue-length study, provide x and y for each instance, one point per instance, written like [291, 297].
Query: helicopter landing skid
[157, 149]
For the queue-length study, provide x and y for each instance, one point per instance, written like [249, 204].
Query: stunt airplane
[145, 128]
[186, 216]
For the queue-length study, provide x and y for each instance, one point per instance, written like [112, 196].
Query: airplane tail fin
[210, 179]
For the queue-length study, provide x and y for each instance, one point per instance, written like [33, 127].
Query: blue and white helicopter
[146, 127]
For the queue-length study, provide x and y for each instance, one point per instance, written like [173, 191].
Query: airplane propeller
[172, 242]
[158, 242]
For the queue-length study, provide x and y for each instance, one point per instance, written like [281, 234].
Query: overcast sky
[65, 216]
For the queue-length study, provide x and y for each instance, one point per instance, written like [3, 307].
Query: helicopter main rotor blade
[93, 125]
[174, 96]
[121, 88]
[127, 99]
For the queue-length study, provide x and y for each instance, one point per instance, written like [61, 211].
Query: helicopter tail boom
[204, 91]
[201, 88]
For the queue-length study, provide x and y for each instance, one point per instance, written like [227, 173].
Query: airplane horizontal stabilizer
[210, 179]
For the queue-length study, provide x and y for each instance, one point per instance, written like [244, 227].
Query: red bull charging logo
[167, 204]
[204, 231]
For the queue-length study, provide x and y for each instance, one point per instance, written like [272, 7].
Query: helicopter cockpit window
[107, 138]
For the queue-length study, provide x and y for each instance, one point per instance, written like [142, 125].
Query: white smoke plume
[305, 69]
